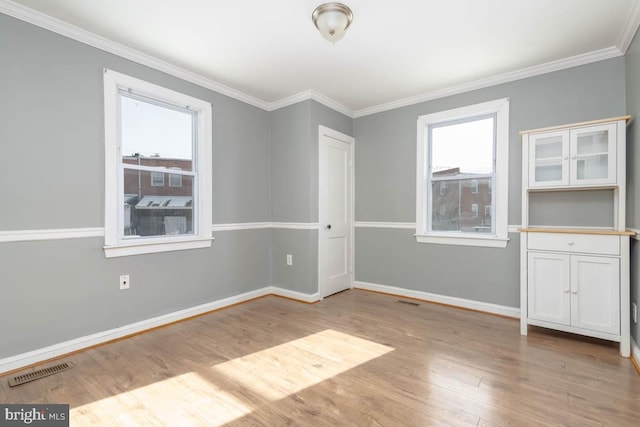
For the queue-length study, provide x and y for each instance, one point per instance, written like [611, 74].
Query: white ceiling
[271, 50]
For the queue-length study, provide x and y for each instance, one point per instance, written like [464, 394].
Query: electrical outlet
[289, 259]
[124, 282]
[634, 312]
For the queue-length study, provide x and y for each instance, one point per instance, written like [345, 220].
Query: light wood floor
[357, 358]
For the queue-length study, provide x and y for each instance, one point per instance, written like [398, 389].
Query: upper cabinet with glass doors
[584, 156]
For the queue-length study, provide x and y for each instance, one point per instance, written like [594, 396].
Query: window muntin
[464, 150]
[155, 136]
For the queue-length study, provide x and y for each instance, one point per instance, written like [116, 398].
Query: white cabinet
[548, 297]
[584, 156]
[576, 279]
[595, 293]
[574, 291]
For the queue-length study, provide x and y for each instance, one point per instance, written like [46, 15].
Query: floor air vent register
[40, 373]
[415, 304]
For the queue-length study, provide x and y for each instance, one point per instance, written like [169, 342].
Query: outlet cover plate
[124, 282]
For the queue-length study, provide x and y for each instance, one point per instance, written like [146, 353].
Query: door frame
[325, 132]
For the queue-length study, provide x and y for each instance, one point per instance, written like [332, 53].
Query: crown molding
[58, 26]
[63, 28]
[630, 28]
[562, 64]
[316, 96]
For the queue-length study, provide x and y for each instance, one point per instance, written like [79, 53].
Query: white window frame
[500, 237]
[153, 175]
[487, 210]
[115, 243]
[474, 186]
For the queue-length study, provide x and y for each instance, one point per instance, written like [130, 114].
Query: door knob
[328, 226]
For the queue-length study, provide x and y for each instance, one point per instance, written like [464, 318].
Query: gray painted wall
[633, 167]
[294, 189]
[265, 169]
[385, 182]
[52, 175]
[587, 208]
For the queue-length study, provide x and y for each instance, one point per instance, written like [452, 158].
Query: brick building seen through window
[461, 202]
[157, 203]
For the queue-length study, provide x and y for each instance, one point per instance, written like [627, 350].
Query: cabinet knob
[574, 291]
[565, 158]
[571, 243]
[574, 157]
[566, 290]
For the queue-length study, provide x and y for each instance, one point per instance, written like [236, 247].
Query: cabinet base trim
[574, 330]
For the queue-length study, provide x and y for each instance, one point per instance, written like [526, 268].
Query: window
[463, 150]
[152, 132]
[157, 179]
[175, 180]
[474, 210]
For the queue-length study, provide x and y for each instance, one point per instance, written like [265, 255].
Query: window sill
[147, 247]
[484, 241]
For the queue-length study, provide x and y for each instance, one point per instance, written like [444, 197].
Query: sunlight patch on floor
[233, 389]
[181, 400]
[280, 371]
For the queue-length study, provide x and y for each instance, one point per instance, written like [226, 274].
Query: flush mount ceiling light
[332, 20]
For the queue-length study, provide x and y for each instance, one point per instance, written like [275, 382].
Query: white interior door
[335, 211]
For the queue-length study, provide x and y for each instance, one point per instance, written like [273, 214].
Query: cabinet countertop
[577, 231]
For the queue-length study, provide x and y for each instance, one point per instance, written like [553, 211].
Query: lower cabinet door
[595, 293]
[548, 287]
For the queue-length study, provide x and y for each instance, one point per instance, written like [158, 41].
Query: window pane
[465, 148]
[156, 211]
[457, 208]
[154, 131]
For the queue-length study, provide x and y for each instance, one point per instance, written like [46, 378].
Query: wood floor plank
[356, 358]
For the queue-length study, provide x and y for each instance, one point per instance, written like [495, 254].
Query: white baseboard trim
[275, 290]
[635, 351]
[442, 299]
[36, 356]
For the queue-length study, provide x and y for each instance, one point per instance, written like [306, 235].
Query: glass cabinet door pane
[592, 155]
[548, 159]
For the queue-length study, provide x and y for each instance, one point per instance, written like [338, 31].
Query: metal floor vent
[40, 373]
[415, 304]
